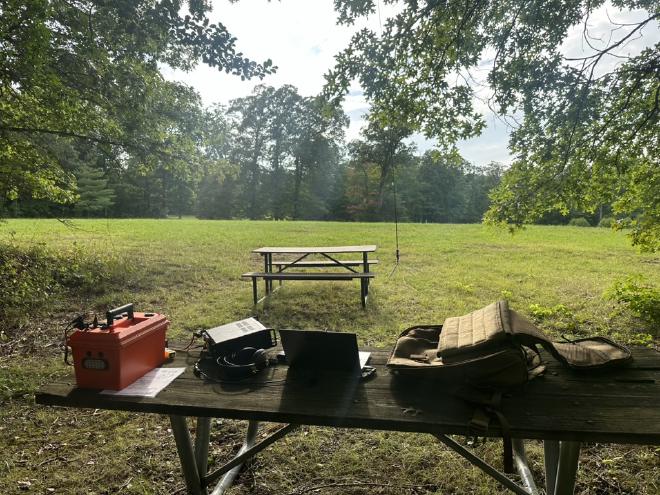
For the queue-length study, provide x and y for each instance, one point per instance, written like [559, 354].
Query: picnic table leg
[365, 269]
[186, 454]
[228, 479]
[569, 453]
[522, 466]
[254, 290]
[551, 455]
[202, 446]
[363, 292]
[481, 464]
[267, 270]
[270, 270]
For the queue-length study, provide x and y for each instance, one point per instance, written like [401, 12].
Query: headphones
[235, 366]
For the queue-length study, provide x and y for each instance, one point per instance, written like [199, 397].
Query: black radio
[235, 350]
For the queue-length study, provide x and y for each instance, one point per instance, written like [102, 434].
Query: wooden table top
[621, 406]
[316, 249]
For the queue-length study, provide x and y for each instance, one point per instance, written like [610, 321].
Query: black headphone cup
[245, 356]
[248, 358]
[260, 358]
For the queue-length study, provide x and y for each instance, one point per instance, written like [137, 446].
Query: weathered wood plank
[322, 263]
[561, 406]
[368, 248]
[308, 276]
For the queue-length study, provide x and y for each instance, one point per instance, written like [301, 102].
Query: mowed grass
[190, 270]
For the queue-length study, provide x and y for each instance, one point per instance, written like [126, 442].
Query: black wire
[241, 381]
[186, 348]
[66, 347]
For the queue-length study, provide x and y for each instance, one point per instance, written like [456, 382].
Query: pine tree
[95, 195]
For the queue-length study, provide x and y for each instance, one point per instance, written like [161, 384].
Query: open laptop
[321, 350]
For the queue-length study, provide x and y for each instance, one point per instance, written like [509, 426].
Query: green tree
[589, 134]
[320, 134]
[94, 194]
[384, 148]
[285, 144]
[250, 116]
[89, 70]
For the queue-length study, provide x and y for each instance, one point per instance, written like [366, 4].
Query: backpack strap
[488, 406]
[587, 353]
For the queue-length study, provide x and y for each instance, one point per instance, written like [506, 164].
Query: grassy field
[190, 270]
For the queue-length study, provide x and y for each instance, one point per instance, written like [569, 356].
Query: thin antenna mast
[396, 212]
[396, 224]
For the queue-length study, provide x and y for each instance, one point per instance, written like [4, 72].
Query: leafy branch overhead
[87, 72]
[589, 129]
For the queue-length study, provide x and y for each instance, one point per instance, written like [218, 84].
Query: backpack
[481, 355]
[493, 347]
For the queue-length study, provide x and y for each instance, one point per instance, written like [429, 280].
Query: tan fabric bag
[493, 347]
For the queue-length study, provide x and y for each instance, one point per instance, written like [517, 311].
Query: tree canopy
[589, 130]
[87, 71]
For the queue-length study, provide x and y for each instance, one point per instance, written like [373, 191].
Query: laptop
[321, 350]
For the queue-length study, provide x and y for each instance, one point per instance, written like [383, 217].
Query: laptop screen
[321, 350]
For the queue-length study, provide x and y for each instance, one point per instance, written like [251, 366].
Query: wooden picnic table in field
[289, 269]
[562, 408]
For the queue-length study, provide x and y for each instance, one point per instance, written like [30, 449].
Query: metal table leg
[254, 290]
[522, 466]
[365, 269]
[481, 464]
[186, 455]
[270, 270]
[202, 446]
[551, 455]
[228, 478]
[267, 270]
[569, 453]
[363, 292]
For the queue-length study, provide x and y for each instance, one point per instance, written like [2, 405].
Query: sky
[301, 37]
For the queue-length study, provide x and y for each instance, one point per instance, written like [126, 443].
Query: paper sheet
[150, 384]
[364, 357]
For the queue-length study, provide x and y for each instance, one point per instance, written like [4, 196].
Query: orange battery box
[114, 355]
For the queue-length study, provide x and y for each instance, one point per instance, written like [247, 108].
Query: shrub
[624, 223]
[606, 222]
[543, 312]
[579, 222]
[641, 298]
[34, 278]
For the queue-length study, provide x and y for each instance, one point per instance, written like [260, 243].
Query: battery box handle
[126, 308]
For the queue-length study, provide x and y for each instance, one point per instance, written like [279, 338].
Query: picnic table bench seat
[332, 276]
[323, 263]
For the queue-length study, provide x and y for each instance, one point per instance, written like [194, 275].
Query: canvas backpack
[480, 356]
[493, 347]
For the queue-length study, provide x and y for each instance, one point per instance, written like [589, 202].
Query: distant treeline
[277, 155]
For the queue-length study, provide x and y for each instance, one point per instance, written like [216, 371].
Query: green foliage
[640, 296]
[93, 191]
[542, 312]
[589, 134]
[607, 222]
[579, 222]
[36, 277]
[86, 75]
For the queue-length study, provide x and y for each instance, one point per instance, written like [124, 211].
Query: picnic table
[285, 269]
[562, 408]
